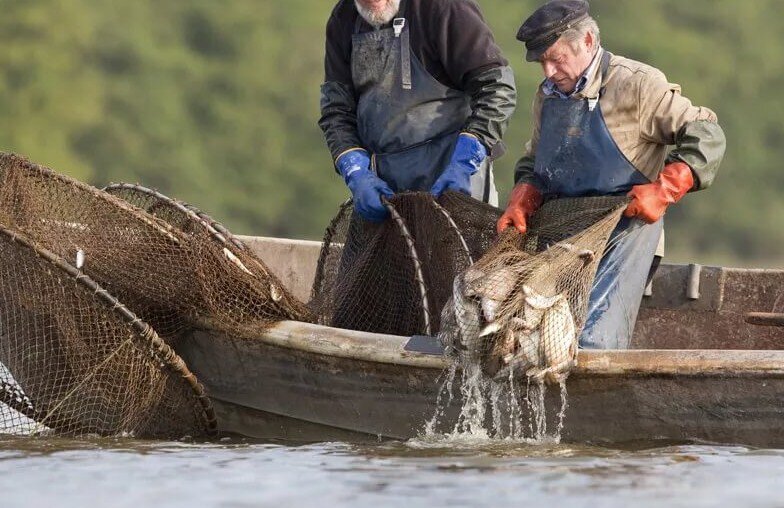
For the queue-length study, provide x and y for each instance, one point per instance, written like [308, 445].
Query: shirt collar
[549, 88]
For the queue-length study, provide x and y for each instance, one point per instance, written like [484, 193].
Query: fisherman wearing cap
[603, 125]
[417, 96]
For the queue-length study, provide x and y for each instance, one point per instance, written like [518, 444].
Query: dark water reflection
[124, 472]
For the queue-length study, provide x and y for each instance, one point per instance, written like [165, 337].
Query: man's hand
[524, 200]
[650, 201]
[366, 188]
[468, 156]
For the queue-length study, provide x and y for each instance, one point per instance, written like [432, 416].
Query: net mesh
[238, 291]
[75, 361]
[67, 367]
[166, 265]
[521, 307]
[394, 277]
[72, 363]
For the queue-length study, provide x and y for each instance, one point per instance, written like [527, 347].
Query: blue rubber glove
[365, 186]
[468, 156]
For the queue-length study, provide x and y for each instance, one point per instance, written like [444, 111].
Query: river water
[447, 472]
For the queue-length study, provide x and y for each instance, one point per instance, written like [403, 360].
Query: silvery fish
[492, 289]
[275, 292]
[526, 358]
[467, 317]
[236, 261]
[587, 255]
[558, 342]
[534, 308]
[449, 334]
[502, 347]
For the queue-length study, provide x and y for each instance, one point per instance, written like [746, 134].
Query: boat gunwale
[389, 349]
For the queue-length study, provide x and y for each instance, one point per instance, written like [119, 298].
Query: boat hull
[307, 382]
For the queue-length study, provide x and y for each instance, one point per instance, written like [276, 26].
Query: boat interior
[685, 306]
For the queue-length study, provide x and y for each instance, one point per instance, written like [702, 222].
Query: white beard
[377, 18]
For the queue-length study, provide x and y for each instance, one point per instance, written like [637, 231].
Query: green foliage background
[216, 103]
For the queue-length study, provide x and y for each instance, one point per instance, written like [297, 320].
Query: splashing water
[512, 410]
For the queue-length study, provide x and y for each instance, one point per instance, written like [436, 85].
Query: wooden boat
[701, 368]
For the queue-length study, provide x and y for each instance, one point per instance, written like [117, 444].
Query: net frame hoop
[326, 244]
[217, 230]
[220, 228]
[455, 229]
[420, 279]
[178, 205]
[163, 352]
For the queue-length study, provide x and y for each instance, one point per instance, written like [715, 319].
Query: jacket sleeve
[338, 102]
[339, 118]
[474, 62]
[701, 145]
[493, 99]
[668, 118]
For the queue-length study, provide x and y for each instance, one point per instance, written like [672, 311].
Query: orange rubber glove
[650, 200]
[524, 200]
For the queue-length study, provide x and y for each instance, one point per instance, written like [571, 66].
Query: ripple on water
[447, 471]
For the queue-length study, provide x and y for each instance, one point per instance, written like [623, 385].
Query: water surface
[452, 472]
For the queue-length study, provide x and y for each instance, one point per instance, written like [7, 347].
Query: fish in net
[167, 265]
[521, 307]
[76, 361]
[394, 277]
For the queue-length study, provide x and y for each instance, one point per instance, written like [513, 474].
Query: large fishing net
[395, 277]
[73, 372]
[237, 289]
[519, 310]
[74, 360]
[166, 265]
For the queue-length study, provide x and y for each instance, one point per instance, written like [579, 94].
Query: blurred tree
[217, 103]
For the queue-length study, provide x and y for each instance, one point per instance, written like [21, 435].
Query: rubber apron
[406, 118]
[577, 156]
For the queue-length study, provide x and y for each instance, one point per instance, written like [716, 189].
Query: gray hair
[578, 31]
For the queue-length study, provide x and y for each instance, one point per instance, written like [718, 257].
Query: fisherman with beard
[417, 96]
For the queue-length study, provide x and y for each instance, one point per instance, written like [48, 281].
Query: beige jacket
[644, 114]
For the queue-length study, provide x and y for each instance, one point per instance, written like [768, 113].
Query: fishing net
[521, 307]
[394, 277]
[244, 293]
[68, 365]
[172, 271]
[75, 361]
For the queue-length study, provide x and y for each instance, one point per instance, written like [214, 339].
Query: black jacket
[457, 48]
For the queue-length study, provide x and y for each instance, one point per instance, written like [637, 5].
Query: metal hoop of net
[392, 277]
[75, 361]
[247, 296]
[521, 307]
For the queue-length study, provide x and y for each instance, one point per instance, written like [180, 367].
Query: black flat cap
[548, 23]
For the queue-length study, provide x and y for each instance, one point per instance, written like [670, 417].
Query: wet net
[239, 292]
[167, 266]
[75, 361]
[395, 277]
[69, 366]
[519, 310]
